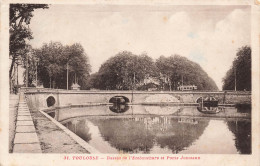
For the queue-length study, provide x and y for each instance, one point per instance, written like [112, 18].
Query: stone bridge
[38, 97]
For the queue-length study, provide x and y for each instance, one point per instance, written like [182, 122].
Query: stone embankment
[13, 104]
[32, 132]
[25, 139]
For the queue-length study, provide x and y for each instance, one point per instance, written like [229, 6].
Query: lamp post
[133, 86]
[235, 78]
[27, 71]
[37, 60]
[17, 81]
[67, 75]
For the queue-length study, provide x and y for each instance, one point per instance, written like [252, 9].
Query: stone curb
[79, 140]
[25, 139]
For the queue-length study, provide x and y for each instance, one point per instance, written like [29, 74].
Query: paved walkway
[13, 104]
[25, 140]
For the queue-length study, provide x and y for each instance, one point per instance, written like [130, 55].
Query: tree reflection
[119, 108]
[242, 133]
[80, 128]
[208, 110]
[126, 134]
[184, 135]
[141, 133]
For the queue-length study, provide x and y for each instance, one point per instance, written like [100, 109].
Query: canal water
[160, 129]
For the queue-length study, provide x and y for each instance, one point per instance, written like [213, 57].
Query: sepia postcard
[119, 82]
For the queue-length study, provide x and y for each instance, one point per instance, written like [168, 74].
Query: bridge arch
[198, 100]
[122, 99]
[50, 100]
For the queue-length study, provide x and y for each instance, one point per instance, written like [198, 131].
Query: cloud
[222, 44]
[210, 42]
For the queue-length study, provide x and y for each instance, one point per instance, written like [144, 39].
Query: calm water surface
[155, 129]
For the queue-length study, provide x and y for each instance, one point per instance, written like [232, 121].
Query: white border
[58, 159]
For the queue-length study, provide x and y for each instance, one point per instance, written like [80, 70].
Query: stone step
[23, 109]
[25, 129]
[27, 148]
[24, 118]
[24, 113]
[24, 123]
[26, 138]
[21, 106]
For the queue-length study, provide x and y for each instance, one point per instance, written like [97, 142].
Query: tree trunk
[50, 82]
[20, 22]
[10, 73]
[11, 68]
[27, 71]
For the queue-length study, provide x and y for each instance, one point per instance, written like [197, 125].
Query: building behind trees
[126, 71]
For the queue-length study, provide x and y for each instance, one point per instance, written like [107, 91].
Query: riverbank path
[13, 104]
[25, 139]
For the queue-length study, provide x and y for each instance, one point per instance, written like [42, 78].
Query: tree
[78, 63]
[29, 62]
[239, 75]
[177, 70]
[124, 71]
[93, 81]
[54, 59]
[20, 16]
[127, 71]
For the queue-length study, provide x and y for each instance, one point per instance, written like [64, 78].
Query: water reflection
[119, 104]
[216, 139]
[209, 110]
[188, 120]
[127, 110]
[119, 108]
[162, 110]
[140, 134]
[242, 133]
[244, 108]
[153, 129]
[80, 128]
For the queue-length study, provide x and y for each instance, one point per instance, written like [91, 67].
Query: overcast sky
[208, 35]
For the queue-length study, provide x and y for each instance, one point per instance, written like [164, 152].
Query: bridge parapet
[37, 97]
[48, 90]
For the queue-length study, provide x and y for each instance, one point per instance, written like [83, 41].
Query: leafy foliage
[177, 68]
[240, 71]
[53, 60]
[29, 60]
[93, 81]
[127, 71]
[19, 19]
[124, 71]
